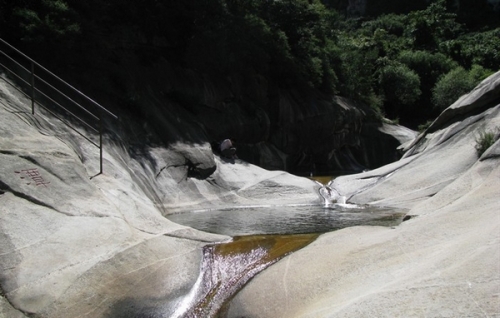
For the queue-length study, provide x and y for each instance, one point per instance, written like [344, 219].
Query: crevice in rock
[193, 170]
[215, 183]
[372, 177]
[446, 119]
[168, 167]
[4, 296]
[492, 156]
[462, 113]
[378, 179]
[408, 217]
[5, 188]
[30, 159]
[177, 234]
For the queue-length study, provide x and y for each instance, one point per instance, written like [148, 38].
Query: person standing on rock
[227, 149]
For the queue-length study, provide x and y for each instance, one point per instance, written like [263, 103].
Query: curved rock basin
[227, 267]
[262, 235]
[297, 219]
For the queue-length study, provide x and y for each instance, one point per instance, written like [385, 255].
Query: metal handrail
[34, 91]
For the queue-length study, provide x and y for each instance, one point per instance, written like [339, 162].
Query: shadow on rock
[142, 308]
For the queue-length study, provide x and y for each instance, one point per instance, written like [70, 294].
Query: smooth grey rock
[7, 311]
[442, 262]
[74, 242]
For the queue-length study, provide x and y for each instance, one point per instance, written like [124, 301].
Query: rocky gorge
[442, 262]
[74, 243]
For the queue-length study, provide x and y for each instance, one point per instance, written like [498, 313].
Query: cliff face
[301, 131]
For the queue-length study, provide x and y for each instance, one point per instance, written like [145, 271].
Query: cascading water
[227, 267]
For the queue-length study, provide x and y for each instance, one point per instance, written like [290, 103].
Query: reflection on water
[322, 179]
[286, 219]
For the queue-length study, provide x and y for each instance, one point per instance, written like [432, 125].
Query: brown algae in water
[227, 267]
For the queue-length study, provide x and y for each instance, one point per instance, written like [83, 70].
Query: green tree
[46, 21]
[306, 27]
[356, 67]
[482, 48]
[456, 83]
[376, 8]
[427, 28]
[400, 86]
[429, 67]
[394, 58]
[387, 33]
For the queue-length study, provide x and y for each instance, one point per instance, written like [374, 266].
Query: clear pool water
[286, 219]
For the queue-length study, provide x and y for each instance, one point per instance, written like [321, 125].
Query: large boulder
[442, 262]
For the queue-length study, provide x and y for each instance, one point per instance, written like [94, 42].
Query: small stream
[262, 235]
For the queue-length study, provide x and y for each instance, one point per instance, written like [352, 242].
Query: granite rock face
[77, 243]
[442, 262]
[299, 130]
[74, 242]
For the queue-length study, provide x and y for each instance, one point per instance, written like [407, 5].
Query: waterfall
[227, 267]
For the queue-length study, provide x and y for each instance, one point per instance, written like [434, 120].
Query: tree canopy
[399, 64]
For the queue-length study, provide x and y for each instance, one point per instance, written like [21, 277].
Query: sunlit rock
[75, 242]
[331, 196]
[443, 261]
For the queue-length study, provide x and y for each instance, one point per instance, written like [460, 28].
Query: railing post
[32, 88]
[30, 84]
[100, 142]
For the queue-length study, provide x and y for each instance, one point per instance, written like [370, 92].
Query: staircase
[48, 91]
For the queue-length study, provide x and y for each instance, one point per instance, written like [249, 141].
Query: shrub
[450, 87]
[392, 23]
[424, 126]
[480, 48]
[47, 20]
[479, 73]
[356, 74]
[456, 83]
[429, 66]
[399, 84]
[431, 26]
[484, 140]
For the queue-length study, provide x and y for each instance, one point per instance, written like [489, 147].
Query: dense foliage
[405, 66]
